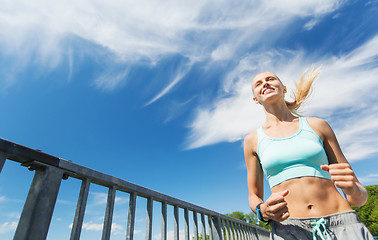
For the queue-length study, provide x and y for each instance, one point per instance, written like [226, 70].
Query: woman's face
[267, 86]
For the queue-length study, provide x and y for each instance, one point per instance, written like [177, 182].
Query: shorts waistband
[332, 220]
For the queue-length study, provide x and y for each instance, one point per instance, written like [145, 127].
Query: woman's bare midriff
[312, 197]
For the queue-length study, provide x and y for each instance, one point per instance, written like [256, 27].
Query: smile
[267, 90]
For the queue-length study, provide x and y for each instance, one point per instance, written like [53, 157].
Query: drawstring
[317, 228]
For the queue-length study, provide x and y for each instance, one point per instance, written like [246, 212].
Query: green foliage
[238, 215]
[369, 212]
[200, 237]
[249, 218]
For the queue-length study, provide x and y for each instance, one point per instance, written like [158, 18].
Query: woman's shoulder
[319, 125]
[317, 122]
[250, 141]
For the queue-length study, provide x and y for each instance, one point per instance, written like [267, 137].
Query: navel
[310, 206]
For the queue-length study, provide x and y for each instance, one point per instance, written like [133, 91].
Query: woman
[304, 164]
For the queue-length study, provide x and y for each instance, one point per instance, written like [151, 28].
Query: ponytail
[303, 89]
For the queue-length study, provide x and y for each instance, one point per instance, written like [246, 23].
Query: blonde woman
[304, 164]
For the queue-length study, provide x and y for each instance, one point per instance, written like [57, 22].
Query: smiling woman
[303, 164]
[303, 88]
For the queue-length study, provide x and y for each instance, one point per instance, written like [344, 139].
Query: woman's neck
[278, 113]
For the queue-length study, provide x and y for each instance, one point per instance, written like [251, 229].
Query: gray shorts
[343, 226]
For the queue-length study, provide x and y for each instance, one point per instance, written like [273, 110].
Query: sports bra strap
[260, 134]
[305, 124]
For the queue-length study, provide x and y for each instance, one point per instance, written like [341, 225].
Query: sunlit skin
[305, 196]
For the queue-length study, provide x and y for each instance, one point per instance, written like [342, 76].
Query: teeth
[268, 90]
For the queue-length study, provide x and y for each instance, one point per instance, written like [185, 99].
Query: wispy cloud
[66, 202]
[111, 78]
[339, 92]
[8, 227]
[181, 73]
[4, 199]
[92, 226]
[98, 198]
[170, 235]
[369, 179]
[142, 31]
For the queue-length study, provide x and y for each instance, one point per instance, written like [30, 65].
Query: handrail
[50, 170]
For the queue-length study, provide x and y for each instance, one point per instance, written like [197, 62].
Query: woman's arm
[255, 176]
[340, 170]
[275, 207]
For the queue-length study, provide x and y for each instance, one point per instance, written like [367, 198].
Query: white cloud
[7, 199]
[181, 73]
[111, 78]
[15, 215]
[8, 227]
[369, 179]
[358, 134]
[310, 24]
[98, 198]
[91, 226]
[170, 235]
[345, 85]
[146, 30]
[66, 202]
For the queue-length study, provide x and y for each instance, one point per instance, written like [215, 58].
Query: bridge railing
[49, 170]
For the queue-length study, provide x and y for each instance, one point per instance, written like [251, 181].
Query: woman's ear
[284, 89]
[256, 100]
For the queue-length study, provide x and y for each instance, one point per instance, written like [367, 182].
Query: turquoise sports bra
[292, 157]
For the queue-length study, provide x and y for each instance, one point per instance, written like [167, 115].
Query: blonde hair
[303, 89]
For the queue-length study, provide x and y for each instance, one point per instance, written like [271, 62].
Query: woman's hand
[275, 207]
[344, 178]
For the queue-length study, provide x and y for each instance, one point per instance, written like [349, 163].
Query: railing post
[232, 231]
[80, 209]
[195, 225]
[163, 221]
[226, 230]
[186, 219]
[245, 232]
[216, 227]
[3, 157]
[131, 217]
[210, 223]
[203, 227]
[39, 205]
[176, 229]
[107, 228]
[149, 219]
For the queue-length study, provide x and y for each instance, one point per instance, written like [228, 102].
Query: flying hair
[303, 89]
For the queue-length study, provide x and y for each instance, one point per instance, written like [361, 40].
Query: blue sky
[158, 93]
